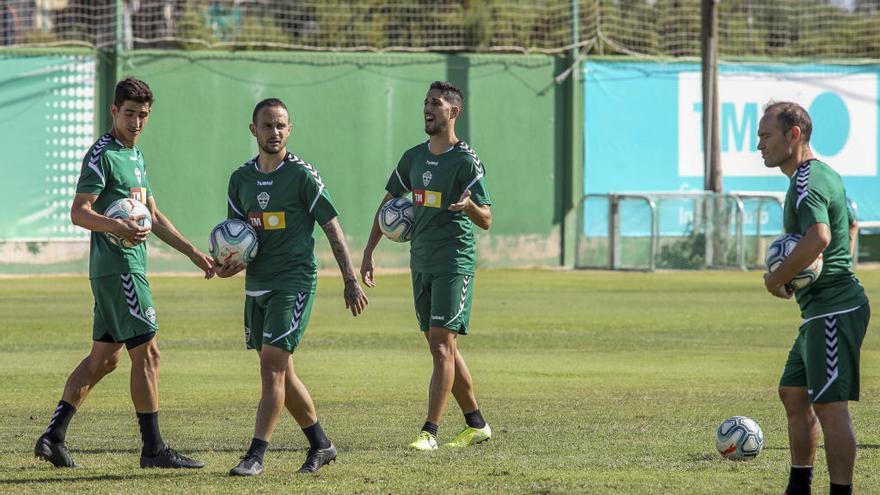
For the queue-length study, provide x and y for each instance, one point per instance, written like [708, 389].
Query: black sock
[431, 428]
[317, 438]
[153, 443]
[258, 448]
[57, 430]
[474, 419]
[841, 489]
[799, 480]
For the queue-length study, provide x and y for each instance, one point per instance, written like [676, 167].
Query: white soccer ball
[126, 208]
[780, 249]
[396, 219]
[233, 240]
[739, 438]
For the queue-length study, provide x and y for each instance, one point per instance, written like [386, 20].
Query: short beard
[433, 132]
[266, 150]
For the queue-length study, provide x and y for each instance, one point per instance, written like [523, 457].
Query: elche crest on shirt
[263, 200]
[426, 178]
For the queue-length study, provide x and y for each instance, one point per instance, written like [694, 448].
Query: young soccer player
[114, 169]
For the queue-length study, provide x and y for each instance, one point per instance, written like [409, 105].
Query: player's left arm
[355, 298]
[167, 233]
[853, 236]
[481, 215]
[811, 245]
[474, 201]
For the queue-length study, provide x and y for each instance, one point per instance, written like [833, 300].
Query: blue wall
[642, 133]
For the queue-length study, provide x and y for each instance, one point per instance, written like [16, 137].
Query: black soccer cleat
[170, 459]
[315, 458]
[54, 452]
[249, 465]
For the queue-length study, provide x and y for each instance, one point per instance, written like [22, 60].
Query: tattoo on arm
[340, 251]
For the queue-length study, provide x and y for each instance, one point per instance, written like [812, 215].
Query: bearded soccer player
[124, 316]
[821, 374]
[282, 197]
[448, 186]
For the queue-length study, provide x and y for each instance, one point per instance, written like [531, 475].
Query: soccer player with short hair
[448, 186]
[114, 169]
[282, 197]
[822, 371]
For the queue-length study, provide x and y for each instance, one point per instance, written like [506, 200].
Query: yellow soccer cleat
[471, 436]
[425, 441]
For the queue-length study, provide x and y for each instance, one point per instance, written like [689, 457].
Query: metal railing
[707, 202]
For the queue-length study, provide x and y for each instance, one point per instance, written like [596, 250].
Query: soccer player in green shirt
[114, 169]
[822, 371]
[282, 197]
[448, 186]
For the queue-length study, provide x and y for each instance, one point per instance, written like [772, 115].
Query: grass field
[594, 382]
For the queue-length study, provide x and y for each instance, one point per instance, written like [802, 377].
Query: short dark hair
[268, 102]
[790, 114]
[449, 92]
[134, 90]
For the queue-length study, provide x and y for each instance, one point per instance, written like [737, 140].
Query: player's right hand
[129, 230]
[227, 270]
[367, 270]
[355, 299]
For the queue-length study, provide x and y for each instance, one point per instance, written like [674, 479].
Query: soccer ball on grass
[739, 438]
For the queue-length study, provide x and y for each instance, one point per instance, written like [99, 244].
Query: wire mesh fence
[671, 28]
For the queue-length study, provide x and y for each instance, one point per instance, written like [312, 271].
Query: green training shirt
[111, 171]
[816, 195]
[442, 240]
[282, 206]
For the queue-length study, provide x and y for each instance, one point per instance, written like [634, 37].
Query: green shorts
[443, 300]
[825, 356]
[123, 308]
[277, 318]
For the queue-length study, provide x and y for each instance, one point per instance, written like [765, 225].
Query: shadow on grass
[861, 446]
[137, 452]
[55, 478]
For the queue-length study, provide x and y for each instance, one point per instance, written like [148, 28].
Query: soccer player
[282, 197]
[449, 192]
[822, 371]
[124, 315]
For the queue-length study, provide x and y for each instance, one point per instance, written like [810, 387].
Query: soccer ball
[126, 208]
[739, 438]
[396, 219]
[233, 240]
[780, 249]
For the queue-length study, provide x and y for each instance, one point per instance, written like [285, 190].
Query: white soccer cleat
[425, 441]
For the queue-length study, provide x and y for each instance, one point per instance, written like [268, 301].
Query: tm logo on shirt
[266, 220]
[138, 194]
[431, 199]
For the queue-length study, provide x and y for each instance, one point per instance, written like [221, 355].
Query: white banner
[843, 107]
